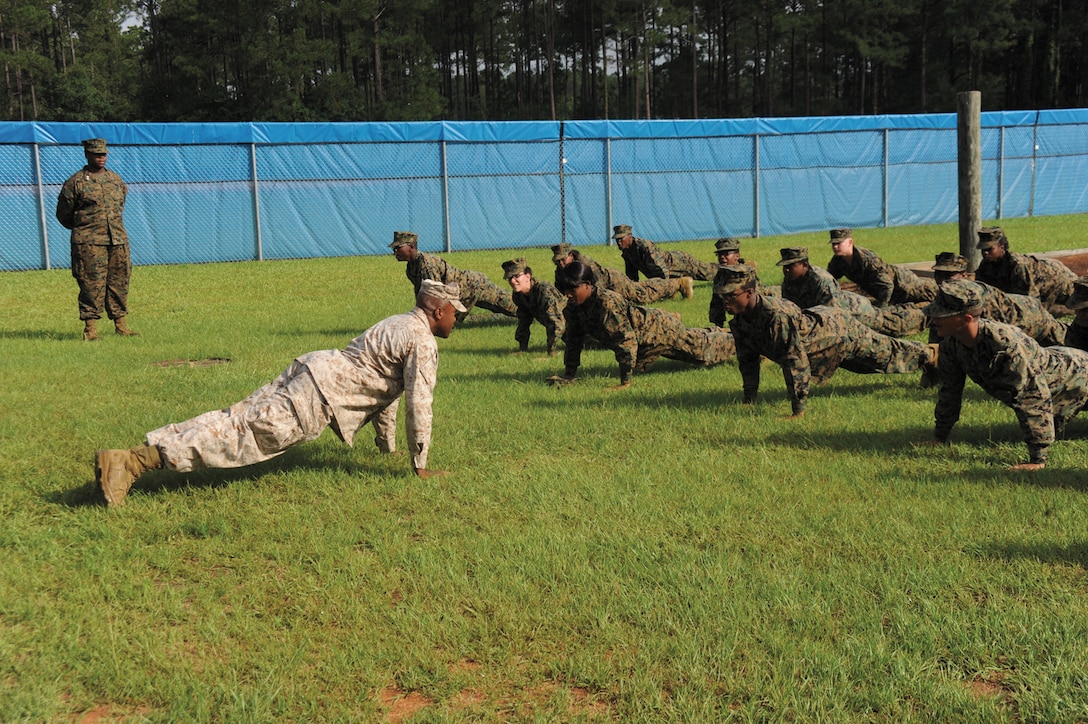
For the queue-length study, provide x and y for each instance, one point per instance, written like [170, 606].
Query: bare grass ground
[660, 554]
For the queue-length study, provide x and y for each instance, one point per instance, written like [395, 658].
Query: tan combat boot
[687, 287]
[90, 330]
[116, 470]
[121, 327]
[929, 367]
[933, 355]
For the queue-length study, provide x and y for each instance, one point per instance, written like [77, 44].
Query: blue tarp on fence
[235, 191]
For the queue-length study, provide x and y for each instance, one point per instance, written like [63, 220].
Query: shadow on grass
[47, 334]
[1075, 553]
[493, 352]
[482, 318]
[904, 439]
[308, 456]
[1052, 476]
[348, 333]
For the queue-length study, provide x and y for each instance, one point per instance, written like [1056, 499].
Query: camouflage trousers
[646, 291]
[897, 320]
[840, 340]
[1071, 395]
[1044, 329]
[283, 413]
[102, 272]
[479, 291]
[706, 346]
[684, 264]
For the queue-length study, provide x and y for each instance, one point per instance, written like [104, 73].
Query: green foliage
[314, 60]
[81, 99]
[657, 554]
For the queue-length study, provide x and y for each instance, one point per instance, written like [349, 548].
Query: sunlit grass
[657, 554]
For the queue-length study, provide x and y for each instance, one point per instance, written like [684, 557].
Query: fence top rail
[159, 134]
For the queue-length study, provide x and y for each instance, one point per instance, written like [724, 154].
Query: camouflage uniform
[819, 288]
[1077, 334]
[646, 291]
[476, 288]
[809, 345]
[545, 304]
[644, 256]
[1045, 387]
[92, 205]
[1019, 310]
[717, 312]
[638, 335]
[330, 388]
[1049, 280]
[886, 283]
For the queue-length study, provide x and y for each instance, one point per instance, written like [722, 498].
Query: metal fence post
[755, 184]
[608, 181]
[886, 165]
[41, 206]
[562, 188]
[446, 195]
[1034, 158]
[1001, 173]
[256, 202]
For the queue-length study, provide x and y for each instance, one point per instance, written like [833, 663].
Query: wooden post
[969, 145]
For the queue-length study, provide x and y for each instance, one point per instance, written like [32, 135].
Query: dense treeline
[340, 60]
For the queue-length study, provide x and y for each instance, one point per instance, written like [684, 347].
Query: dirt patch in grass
[534, 700]
[989, 687]
[521, 703]
[464, 666]
[206, 362]
[109, 713]
[402, 705]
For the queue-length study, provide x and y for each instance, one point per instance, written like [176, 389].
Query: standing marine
[92, 204]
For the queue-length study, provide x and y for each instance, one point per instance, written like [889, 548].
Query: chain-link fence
[229, 192]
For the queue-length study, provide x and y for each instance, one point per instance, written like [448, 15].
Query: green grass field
[656, 554]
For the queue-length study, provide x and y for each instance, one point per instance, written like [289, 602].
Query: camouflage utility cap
[95, 145]
[400, 238]
[958, 296]
[618, 232]
[792, 255]
[840, 234]
[560, 252]
[726, 244]
[949, 262]
[989, 236]
[445, 292]
[1079, 298]
[515, 267]
[731, 277]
